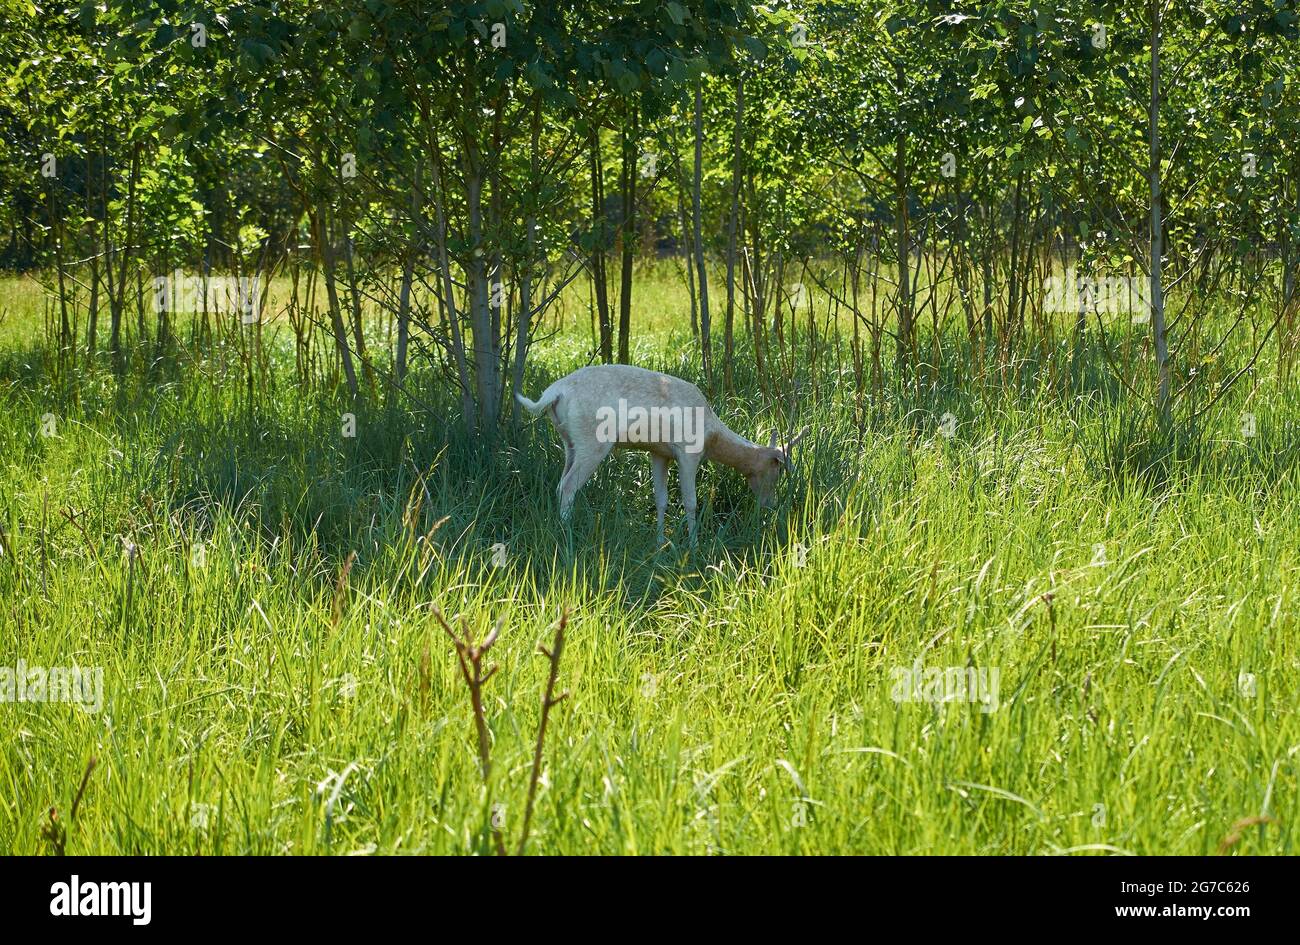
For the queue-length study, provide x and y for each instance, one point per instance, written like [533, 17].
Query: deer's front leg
[659, 474]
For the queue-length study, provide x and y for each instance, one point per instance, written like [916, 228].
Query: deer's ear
[772, 441]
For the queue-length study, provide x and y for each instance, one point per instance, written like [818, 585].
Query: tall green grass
[1137, 598]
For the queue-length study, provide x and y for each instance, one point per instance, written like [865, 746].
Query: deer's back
[603, 385]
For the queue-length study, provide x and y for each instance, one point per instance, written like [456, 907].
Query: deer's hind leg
[569, 453]
[585, 461]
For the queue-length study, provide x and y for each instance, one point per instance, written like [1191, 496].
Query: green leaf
[258, 52]
[627, 82]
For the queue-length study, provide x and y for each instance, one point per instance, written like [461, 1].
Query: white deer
[597, 409]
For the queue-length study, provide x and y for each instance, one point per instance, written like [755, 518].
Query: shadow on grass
[304, 461]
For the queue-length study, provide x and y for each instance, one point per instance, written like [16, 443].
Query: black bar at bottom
[141, 896]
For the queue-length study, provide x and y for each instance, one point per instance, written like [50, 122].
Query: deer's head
[772, 461]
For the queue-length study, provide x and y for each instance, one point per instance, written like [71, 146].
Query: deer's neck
[731, 449]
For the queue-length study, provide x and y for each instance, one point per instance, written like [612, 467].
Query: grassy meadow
[259, 591]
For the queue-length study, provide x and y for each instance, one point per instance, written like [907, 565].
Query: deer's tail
[538, 407]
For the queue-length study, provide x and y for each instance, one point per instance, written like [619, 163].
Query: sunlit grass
[738, 699]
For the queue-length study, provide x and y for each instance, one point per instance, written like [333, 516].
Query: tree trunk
[737, 140]
[1157, 226]
[117, 290]
[1013, 283]
[598, 277]
[524, 326]
[114, 305]
[404, 315]
[702, 275]
[628, 236]
[92, 314]
[986, 270]
[56, 220]
[487, 381]
[324, 243]
[903, 349]
[468, 413]
[354, 304]
[408, 275]
[687, 242]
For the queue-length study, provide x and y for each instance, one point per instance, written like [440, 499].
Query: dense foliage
[916, 160]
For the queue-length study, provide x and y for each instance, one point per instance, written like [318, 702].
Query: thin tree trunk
[404, 315]
[324, 243]
[129, 248]
[494, 286]
[903, 350]
[524, 326]
[486, 367]
[706, 334]
[117, 290]
[468, 414]
[737, 139]
[92, 315]
[598, 274]
[408, 276]
[628, 236]
[986, 270]
[1157, 225]
[56, 219]
[687, 242]
[114, 304]
[1013, 284]
[354, 304]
